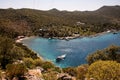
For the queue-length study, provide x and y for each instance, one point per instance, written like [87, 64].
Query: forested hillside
[58, 23]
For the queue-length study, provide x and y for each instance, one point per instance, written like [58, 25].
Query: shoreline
[20, 41]
[68, 37]
[42, 58]
[90, 36]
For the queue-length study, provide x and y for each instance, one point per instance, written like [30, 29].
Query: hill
[58, 23]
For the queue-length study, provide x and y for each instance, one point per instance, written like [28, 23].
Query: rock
[15, 78]
[64, 76]
[34, 74]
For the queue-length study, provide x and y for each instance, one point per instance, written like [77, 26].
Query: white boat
[59, 58]
[108, 31]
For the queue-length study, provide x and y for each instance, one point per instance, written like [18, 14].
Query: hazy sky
[70, 5]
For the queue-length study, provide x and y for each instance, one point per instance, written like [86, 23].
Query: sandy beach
[21, 39]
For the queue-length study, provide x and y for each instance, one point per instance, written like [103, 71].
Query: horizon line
[59, 9]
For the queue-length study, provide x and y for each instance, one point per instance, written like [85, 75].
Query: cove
[76, 49]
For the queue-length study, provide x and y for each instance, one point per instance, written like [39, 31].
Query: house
[19, 37]
[80, 23]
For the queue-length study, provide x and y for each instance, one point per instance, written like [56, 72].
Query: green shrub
[29, 62]
[58, 69]
[113, 53]
[104, 70]
[110, 53]
[71, 71]
[51, 75]
[47, 65]
[38, 62]
[81, 71]
[98, 55]
[15, 70]
[17, 53]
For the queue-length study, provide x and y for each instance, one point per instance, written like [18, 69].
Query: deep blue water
[76, 49]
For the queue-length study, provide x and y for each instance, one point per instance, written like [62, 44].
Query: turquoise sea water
[76, 49]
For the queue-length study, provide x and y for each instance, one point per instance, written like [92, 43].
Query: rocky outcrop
[34, 74]
[64, 76]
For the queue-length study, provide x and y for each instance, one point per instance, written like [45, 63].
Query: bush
[51, 75]
[29, 62]
[38, 62]
[104, 70]
[57, 69]
[15, 70]
[81, 71]
[98, 55]
[110, 53]
[71, 71]
[113, 53]
[17, 53]
[47, 65]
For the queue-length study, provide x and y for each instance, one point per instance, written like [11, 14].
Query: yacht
[59, 58]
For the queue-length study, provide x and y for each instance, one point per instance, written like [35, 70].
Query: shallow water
[76, 49]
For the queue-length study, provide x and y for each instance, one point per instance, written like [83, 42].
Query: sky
[70, 5]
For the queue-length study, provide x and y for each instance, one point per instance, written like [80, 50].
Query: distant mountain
[110, 11]
[27, 21]
[54, 10]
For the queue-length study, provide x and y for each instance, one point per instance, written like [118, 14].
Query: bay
[76, 49]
